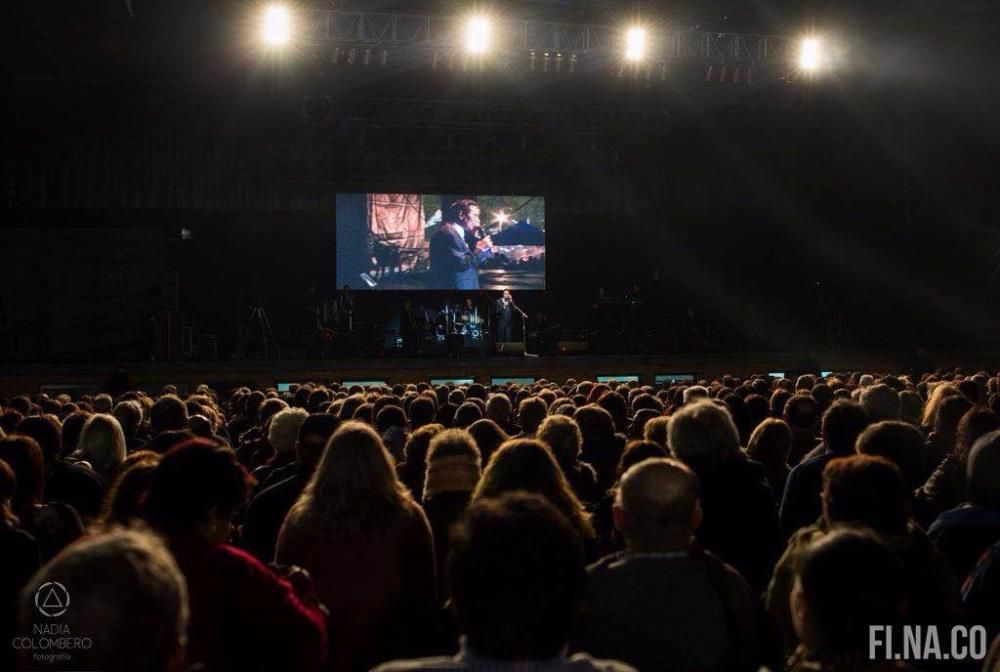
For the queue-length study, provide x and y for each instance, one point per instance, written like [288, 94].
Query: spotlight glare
[810, 54]
[477, 35]
[635, 44]
[276, 27]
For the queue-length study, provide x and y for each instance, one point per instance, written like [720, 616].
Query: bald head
[657, 505]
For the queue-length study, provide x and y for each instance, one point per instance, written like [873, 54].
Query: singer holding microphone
[504, 312]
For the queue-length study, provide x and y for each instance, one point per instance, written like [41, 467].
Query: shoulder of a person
[603, 565]
[420, 665]
[582, 662]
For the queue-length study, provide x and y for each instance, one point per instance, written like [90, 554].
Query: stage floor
[151, 376]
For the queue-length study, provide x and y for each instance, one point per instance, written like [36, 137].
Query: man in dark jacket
[665, 604]
[454, 264]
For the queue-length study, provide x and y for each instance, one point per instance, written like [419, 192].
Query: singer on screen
[454, 264]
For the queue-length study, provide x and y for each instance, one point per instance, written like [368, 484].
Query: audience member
[367, 545]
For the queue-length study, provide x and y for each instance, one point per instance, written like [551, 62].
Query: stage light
[477, 35]
[811, 57]
[276, 27]
[635, 44]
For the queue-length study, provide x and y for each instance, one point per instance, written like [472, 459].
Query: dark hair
[45, 432]
[850, 580]
[866, 490]
[389, 416]
[458, 208]
[530, 413]
[191, 480]
[510, 603]
[900, 443]
[467, 414]
[488, 436]
[321, 425]
[637, 451]
[422, 411]
[168, 413]
[843, 423]
[25, 458]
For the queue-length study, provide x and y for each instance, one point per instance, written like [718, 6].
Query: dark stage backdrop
[774, 216]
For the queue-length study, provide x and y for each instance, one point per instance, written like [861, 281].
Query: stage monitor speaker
[573, 347]
[510, 348]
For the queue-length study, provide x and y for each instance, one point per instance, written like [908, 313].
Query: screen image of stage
[440, 241]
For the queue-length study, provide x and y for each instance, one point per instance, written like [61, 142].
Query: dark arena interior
[516, 260]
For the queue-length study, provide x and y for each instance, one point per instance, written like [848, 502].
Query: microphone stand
[524, 328]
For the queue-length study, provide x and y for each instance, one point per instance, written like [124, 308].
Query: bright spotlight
[477, 35]
[276, 27]
[811, 54]
[635, 44]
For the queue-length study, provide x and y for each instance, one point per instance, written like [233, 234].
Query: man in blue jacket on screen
[455, 265]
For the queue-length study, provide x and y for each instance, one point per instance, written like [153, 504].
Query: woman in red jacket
[369, 548]
[243, 616]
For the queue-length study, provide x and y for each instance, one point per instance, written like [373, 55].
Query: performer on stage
[504, 313]
[454, 263]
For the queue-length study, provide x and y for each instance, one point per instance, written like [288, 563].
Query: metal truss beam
[401, 32]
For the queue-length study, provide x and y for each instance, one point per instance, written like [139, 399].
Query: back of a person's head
[655, 430]
[596, 424]
[193, 481]
[693, 394]
[488, 435]
[283, 430]
[770, 442]
[511, 604]
[615, 404]
[101, 443]
[983, 471]
[417, 443]
[637, 451]
[354, 488]
[562, 435]
[950, 413]
[865, 490]
[498, 407]
[24, 457]
[467, 414]
[528, 465]
[125, 499]
[389, 417]
[845, 582]
[122, 591]
[881, 402]
[453, 463]
[129, 415]
[530, 413]
[801, 411]
[46, 432]
[168, 413]
[314, 433]
[703, 433]
[422, 411]
[657, 505]
[974, 424]
[843, 423]
[900, 443]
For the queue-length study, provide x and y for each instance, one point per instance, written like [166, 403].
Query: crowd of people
[728, 524]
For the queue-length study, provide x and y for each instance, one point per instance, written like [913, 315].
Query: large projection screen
[440, 241]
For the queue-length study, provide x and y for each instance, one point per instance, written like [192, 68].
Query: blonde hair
[102, 444]
[354, 490]
[528, 465]
[940, 392]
